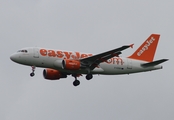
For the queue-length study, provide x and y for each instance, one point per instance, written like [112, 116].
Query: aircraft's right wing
[93, 61]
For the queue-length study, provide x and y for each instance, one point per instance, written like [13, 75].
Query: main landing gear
[77, 82]
[89, 76]
[33, 69]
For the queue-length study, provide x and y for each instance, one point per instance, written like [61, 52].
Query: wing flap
[95, 60]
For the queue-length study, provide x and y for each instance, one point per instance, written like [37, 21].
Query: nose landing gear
[33, 69]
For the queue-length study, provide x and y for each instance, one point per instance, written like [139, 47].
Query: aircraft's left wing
[93, 61]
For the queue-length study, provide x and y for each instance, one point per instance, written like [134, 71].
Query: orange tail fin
[147, 50]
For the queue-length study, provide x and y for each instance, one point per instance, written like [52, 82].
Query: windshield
[24, 51]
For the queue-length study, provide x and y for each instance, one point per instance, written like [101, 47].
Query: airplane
[59, 63]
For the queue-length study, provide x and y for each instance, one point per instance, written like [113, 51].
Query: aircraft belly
[113, 69]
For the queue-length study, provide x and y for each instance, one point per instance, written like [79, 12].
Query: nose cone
[13, 57]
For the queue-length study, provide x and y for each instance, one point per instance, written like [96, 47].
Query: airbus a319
[59, 64]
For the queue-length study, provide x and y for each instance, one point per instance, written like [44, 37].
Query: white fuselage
[53, 59]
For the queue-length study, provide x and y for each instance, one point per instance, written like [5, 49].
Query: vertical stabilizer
[147, 50]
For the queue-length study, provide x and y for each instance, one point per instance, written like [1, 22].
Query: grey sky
[91, 26]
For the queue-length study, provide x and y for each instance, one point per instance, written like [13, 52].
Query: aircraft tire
[76, 83]
[89, 76]
[32, 74]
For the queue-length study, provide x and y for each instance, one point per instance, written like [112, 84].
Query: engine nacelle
[52, 74]
[71, 64]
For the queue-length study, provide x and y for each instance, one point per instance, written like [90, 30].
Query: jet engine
[52, 74]
[71, 64]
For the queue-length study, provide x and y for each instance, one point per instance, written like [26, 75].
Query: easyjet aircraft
[59, 64]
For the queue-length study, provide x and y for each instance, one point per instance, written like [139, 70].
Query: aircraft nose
[13, 57]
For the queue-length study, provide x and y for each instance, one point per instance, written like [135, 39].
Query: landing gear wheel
[33, 69]
[32, 74]
[89, 76]
[76, 83]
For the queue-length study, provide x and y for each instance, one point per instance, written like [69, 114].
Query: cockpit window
[24, 51]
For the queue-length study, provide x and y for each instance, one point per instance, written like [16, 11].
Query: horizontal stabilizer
[154, 63]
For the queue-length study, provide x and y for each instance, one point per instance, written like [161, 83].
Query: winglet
[147, 50]
[132, 45]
